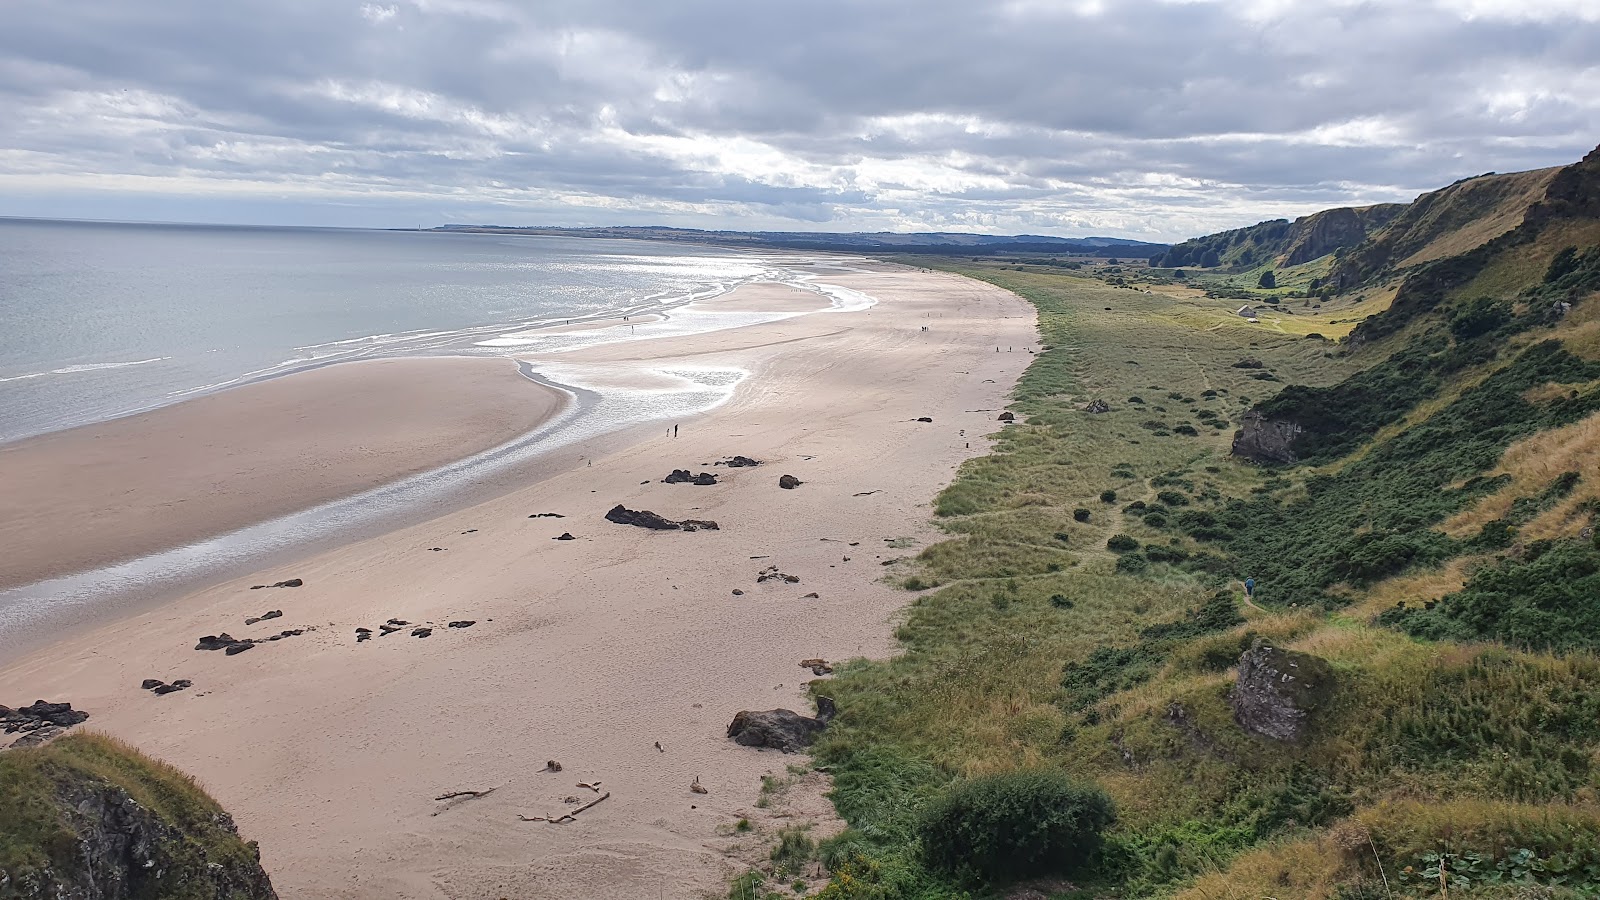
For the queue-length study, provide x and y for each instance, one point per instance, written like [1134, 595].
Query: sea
[101, 320]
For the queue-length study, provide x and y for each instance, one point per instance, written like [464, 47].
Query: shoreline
[589, 651]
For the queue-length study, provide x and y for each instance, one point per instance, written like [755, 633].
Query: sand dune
[591, 651]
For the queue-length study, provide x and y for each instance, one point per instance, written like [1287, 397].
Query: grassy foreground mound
[88, 816]
[1433, 548]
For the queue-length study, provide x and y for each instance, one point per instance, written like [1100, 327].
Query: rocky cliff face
[96, 821]
[1265, 440]
[1278, 691]
[1317, 235]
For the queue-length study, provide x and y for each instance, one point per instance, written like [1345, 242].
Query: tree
[1268, 280]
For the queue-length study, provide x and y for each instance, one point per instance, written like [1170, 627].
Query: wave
[86, 367]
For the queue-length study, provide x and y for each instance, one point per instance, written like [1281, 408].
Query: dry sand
[588, 652]
[96, 495]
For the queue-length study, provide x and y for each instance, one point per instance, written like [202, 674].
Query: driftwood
[868, 493]
[567, 816]
[591, 785]
[456, 798]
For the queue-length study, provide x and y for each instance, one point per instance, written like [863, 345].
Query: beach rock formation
[771, 573]
[463, 623]
[103, 844]
[160, 687]
[1265, 440]
[564, 536]
[1008, 416]
[291, 583]
[789, 482]
[737, 462]
[924, 418]
[547, 516]
[40, 714]
[225, 642]
[683, 476]
[780, 729]
[1278, 691]
[269, 614]
[644, 518]
[1098, 406]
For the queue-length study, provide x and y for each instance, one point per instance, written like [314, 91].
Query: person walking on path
[1250, 589]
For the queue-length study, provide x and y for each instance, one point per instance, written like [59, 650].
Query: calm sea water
[98, 320]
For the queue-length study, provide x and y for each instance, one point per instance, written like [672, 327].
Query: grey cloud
[1147, 118]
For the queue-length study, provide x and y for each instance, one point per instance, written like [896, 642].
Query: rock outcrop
[684, 476]
[1278, 691]
[1008, 416]
[1266, 440]
[291, 583]
[40, 714]
[737, 462]
[644, 518]
[789, 482]
[780, 729]
[106, 845]
[1097, 406]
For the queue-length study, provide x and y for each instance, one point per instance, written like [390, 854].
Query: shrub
[1132, 563]
[1108, 496]
[1060, 601]
[1186, 430]
[1016, 825]
[1080, 515]
[1135, 506]
[1121, 543]
[1172, 498]
[1155, 520]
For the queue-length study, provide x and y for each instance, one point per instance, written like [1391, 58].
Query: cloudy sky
[1151, 119]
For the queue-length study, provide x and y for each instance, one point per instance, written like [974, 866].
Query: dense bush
[1080, 515]
[1121, 543]
[1016, 825]
[1108, 496]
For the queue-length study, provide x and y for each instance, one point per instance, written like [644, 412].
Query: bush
[1121, 543]
[1016, 825]
[1172, 498]
[1108, 496]
[1080, 515]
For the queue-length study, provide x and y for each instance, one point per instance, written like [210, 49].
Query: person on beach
[674, 431]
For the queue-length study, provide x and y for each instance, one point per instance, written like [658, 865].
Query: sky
[1146, 119]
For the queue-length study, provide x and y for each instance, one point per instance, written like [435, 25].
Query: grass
[39, 830]
[1040, 649]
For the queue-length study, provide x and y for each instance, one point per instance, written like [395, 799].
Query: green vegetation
[1434, 550]
[1015, 825]
[48, 798]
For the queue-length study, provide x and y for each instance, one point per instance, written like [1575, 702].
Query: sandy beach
[591, 652]
[91, 496]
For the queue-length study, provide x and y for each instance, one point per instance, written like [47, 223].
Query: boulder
[564, 536]
[269, 614]
[1098, 406]
[737, 462]
[1265, 440]
[683, 476]
[1278, 691]
[780, 729]
[1008, 416]
[40, 714]
[789, 482]
[642, 518]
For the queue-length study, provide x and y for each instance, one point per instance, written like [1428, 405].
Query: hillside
[88, 817]
[1409, 703]
[1279, 242]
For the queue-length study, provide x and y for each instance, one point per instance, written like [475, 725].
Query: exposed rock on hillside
[100, 821]
[1265, 440]
[1278, 690]
[1319, 234]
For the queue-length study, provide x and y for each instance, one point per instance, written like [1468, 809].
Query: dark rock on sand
[780, 729]
[1008, 417]
[737, 462]
[269, 614]
[421, 632]
[564, 536]
[293, 582]
[789, 482]
[40, 714]
[699, 525]
[464, 623]
[684, 476]
[924, 418]
[771, 573]
[817, 666]
[150, 684]
[239, 647]
[223, 641]
[173, 688]
[642, 518]
[547, 516]
[363, 634]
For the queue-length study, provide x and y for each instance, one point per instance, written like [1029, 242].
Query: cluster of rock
[644, 518]
[40, 714]
[771, 573]
[1266, 440]
[780, 729]
[417, 631]
[737, 462]
[291, 583]
[683, 476]
[233, 646]
[269, 614]
[1097, 406]
[158, 687]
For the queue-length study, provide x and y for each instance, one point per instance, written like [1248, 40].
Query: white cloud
[377, 14]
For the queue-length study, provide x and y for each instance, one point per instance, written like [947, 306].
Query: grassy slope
[36, 833]
[1471, 749]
